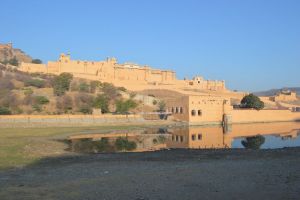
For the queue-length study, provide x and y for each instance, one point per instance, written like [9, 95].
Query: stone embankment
[67, 120]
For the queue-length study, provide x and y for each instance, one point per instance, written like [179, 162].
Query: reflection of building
[197, 137]
[129, 75]
[213, 136]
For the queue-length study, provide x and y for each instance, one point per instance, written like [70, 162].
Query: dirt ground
[168, 174]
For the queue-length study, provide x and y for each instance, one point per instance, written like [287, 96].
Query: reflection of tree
[253, 142]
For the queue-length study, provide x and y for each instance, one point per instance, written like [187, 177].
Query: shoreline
[169, 174]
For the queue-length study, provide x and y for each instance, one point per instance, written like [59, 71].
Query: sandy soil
[169, 174]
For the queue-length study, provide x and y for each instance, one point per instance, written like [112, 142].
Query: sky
[253, 45]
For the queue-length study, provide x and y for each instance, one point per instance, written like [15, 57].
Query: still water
[251, 136]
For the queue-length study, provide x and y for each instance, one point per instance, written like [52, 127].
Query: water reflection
[253, 142]
[251, 136]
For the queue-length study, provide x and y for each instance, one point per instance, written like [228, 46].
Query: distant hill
[274, 91]
[7, 52]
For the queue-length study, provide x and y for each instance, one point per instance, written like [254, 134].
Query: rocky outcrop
[7, 52]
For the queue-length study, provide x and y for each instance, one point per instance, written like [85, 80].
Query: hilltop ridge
[7, 52]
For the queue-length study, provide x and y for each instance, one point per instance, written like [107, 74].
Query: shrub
[101, 102]
[123, 144]
[64, 103]
[36, 107]
[41, 100]
[36, 61]
[94, 85]
[4, 111]
[84, 87]
[123, 89]
[86, 109]
[125, 106]
[28, 91]
[35, 83]
[61, 83]
[110, 91]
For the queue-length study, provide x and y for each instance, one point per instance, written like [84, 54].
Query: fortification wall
[253, 116]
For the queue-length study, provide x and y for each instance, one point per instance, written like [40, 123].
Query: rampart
[131, 76]
[254, 116]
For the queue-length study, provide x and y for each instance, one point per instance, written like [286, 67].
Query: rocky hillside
[23, 93]
[7, 53]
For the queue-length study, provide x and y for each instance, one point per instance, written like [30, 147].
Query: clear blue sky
[252, 44]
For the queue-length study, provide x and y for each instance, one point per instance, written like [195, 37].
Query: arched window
[176, 109]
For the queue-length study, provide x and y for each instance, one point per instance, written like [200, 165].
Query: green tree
[252, 101]
[4, 111]
[125, 106]
[253, 142]
[36, 61]
[61, 83]
[101, 102]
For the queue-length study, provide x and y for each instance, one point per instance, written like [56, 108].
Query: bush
[41, 100]
[84, 87]
[101, 102]
[35, 83]
[61, 83]
[4, 111]
[64, 103]
[86, 109]
[28, 91]
[123, 144]
[84, 102]
[125, 106]
[123, 89]
[37, 108]
[94, 85]
[110, 91]
[252, 101]
[36, 61]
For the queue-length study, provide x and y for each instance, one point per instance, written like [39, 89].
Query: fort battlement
[129, 75]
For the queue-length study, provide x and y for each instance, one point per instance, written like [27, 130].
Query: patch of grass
[13, 141]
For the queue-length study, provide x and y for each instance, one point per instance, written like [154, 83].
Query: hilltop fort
[132, 76]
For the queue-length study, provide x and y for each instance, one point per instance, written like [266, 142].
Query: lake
[250, 136]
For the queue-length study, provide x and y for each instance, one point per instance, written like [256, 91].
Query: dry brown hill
[7, 52]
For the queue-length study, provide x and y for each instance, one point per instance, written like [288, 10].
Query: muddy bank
[169, 174]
